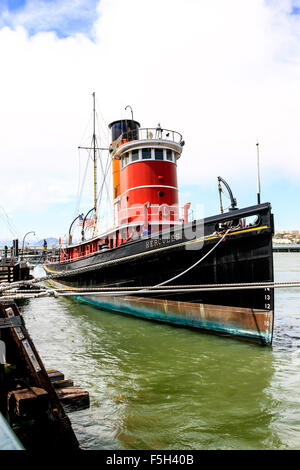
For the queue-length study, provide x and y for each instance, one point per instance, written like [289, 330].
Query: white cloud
[221, 73]
[63, 16]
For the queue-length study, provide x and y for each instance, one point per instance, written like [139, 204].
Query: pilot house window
[135, 155]
[146, 154]
[159, 154]
[169, 155]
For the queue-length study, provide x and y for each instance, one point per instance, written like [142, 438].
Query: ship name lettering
[162, 241]
[158, 242]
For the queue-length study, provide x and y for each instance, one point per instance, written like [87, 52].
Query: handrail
[148, 133]
[151, 133]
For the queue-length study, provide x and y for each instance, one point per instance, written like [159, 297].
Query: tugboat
[160, 264]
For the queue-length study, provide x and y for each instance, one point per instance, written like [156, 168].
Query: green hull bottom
[249, 324]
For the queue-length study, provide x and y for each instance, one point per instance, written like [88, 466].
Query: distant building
[287, 237]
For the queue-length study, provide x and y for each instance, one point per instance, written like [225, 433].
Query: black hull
[244, 256]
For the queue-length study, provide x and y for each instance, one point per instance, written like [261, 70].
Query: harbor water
[156, 386]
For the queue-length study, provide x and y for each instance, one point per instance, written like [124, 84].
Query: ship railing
[155, 213]
[169, 213]
[152, 133]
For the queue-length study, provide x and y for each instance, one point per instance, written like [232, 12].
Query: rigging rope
[82, 185]
[13, 230]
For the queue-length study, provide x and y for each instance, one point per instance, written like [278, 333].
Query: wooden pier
[14, 272]
[34, 401]
[35, 253]
[286, 248]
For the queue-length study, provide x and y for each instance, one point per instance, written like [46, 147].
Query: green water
[155, 386]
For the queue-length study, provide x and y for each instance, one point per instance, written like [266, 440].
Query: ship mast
[94, 148]
[95, 166]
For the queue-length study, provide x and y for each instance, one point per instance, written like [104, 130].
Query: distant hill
[6, 242]
[50, 241]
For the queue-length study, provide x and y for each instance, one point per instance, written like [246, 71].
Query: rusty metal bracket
[12, 322]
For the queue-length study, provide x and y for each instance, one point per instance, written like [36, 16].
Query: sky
[223, 74]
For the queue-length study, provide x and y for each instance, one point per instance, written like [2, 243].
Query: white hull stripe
[149, 186]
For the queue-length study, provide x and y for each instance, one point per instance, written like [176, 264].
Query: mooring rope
[137, 290]
[187, 287]
[195, 264]
[62, 274]
[8, 290]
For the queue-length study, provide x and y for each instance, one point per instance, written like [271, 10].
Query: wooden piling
[28, 398]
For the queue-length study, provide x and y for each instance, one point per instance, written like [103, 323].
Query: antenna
[258, 175]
